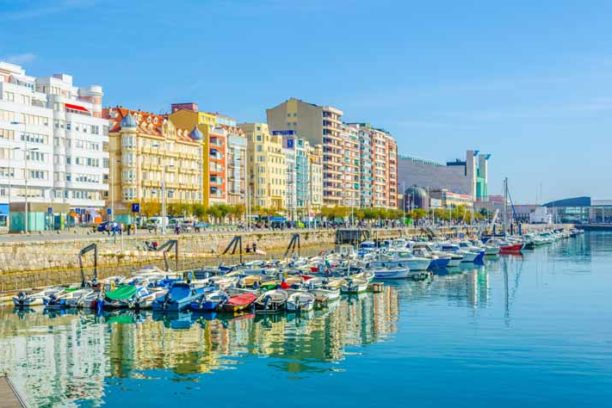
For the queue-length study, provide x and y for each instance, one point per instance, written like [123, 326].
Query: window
[37, 174]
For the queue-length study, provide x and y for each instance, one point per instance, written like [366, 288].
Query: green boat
[121, 294]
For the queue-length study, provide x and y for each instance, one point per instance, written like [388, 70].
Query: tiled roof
[147, 123]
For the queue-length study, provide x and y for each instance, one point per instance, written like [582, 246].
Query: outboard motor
[167, 300]
[266, 302]
[21, 297]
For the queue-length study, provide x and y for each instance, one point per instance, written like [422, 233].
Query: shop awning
[78, 108]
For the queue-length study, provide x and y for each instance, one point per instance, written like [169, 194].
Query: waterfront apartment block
[351, 166]
[267, 167]
[214, 157]
[378, 167]
[236, 160]
[298, 188]
[317, 125]
[359, 161]
[150, 158]
[315, 180]
[53, 156]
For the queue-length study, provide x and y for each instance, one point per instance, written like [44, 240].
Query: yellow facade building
[149, 156]
[267, 167]
[214, 153]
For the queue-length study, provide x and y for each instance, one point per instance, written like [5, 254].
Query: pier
[9, 397]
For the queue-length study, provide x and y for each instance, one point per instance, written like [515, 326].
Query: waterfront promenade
[9, 398]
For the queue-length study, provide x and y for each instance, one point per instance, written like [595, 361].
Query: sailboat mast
[505, 205]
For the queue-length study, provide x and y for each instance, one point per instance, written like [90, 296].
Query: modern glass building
[581, 210]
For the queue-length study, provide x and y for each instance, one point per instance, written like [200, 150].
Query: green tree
[150, 208]
[198, 210]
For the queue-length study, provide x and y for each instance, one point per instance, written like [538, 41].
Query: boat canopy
[180, 291]
[123, 292]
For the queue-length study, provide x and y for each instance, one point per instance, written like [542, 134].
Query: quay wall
[30, 264]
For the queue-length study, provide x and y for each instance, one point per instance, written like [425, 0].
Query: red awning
[75, 107]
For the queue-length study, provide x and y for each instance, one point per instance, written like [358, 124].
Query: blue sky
[528, 81]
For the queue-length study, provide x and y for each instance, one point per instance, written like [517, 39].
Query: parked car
[103, 226]
[155, 223]
[200, 226]
[187, 226]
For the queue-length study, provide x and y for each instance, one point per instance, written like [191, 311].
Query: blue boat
[438, 263]
[179, 297]
[209, 302]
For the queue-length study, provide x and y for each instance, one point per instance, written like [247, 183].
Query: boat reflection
[83, 349]
[38, 347]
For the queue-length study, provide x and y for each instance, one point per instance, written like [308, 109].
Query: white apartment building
[53, 145]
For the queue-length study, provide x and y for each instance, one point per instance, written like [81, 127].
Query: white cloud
[20, 59]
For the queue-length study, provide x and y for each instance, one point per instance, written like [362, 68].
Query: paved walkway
[8, 396]
[86, 234]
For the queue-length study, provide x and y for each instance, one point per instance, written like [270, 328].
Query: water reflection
[63, 356]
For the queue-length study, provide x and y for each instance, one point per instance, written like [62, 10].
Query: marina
[473, 324]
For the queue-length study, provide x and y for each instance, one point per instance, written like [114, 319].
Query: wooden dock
[9, 397]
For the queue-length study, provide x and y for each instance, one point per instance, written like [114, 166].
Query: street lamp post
[26, 152]
[163, 209]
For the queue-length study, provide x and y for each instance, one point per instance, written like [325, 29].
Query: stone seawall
[28, 264]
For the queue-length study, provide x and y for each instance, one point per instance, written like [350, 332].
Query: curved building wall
[433, 176]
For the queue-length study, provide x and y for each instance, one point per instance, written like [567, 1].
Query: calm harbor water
[527, 330]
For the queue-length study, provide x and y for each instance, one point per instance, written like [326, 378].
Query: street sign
[135, 207]
[50, 210]
[109, 211]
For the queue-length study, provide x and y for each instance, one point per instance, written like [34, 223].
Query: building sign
[185, 106]
[283, 132]
[290, 144]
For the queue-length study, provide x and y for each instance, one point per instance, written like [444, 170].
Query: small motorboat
[238, 303]
[82, 298]
[353, 286]
[131, 296]
[391, 272]
[179, 297]
[209, 302]
[329, 294]
[322, 289]
[511, 248]
[23, 299]
[415, 263]
[271, 301]
[300, 301]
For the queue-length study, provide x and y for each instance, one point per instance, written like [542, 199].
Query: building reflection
[58, 359]
[54, 359]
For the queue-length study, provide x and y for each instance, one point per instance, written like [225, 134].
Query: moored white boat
[391, 273]
[300, 301]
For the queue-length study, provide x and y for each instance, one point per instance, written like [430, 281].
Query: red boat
[511, 248]
[238, 303]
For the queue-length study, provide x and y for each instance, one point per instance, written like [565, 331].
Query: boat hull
[394, 273]
[418, 264]
[439, 263]
[511, 249]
